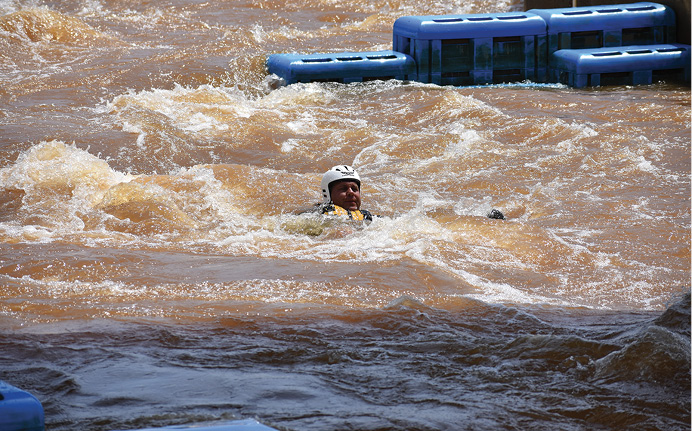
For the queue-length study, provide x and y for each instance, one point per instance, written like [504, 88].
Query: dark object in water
[496, 214]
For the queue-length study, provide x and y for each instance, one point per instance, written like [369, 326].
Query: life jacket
[335, 210]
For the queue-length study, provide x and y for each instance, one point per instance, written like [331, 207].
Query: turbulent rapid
[157, 267]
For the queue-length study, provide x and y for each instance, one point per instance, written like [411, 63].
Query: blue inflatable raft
[19, 410]
[626, 65]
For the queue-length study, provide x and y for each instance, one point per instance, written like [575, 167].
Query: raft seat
[341, 67]
[628, 65]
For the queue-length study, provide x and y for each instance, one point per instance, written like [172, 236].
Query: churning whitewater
[157, 266]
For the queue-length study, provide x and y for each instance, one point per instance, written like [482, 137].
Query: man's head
[341, 185]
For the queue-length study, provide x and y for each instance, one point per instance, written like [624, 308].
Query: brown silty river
[155, 269]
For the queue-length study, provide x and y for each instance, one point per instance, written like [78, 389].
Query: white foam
[55, 164]
[289, 145]
[304, 124]
[202, 109]
[645, 165]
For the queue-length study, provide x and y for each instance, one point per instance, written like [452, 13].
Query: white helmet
[337, 173]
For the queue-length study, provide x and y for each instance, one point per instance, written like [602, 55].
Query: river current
[155, 268]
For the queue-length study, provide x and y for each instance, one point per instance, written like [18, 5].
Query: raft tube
[19, 410]
[627, 65]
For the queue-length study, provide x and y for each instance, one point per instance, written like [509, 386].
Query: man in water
[341, 194]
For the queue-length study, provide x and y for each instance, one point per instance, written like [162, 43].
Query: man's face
[346, 194]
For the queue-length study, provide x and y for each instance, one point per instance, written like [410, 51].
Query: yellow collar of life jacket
[336, 210]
